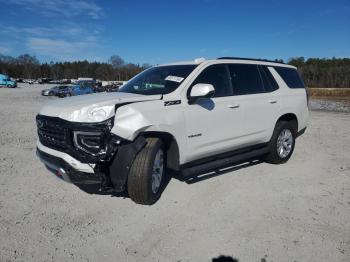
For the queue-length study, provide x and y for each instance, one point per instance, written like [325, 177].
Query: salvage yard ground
[299, 211]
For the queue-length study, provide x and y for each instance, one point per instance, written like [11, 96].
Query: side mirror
[199, 91]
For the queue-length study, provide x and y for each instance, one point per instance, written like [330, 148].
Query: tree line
[324, 73]
[316, 72]
[28, 67]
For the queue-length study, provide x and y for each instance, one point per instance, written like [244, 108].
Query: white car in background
[189, 117]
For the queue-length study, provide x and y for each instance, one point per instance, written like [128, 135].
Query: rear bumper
[65, 171]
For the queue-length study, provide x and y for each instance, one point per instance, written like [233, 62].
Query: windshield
[158, 80]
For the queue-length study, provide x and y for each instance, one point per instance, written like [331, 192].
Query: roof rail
[250, 59]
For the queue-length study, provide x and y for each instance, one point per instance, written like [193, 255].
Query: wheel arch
[171, 147]
[291, 118]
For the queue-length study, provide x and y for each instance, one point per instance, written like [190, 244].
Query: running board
[223, 162]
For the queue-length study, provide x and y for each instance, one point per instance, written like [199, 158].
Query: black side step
[223, 162]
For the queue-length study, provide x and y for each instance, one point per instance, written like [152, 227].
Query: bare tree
[116, 61]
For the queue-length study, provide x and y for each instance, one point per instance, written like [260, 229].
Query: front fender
[134, 119]
[128, 123]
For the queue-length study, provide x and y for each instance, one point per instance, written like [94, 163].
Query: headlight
[89, 142]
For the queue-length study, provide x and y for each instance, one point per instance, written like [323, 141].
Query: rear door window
[267, 78]
[245, 79]
[290, 76]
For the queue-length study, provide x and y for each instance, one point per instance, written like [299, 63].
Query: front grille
[51, 133]
[58, 134]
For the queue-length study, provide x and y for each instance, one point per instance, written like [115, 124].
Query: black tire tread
[272, 157]
[138, 180]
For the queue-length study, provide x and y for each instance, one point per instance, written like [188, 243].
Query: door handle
[273, 101]
[233, 106]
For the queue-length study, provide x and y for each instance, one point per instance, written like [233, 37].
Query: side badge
[171, 103]
[195, 135]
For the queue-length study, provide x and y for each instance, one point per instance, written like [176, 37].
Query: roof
[255, 61]
[235, 59]
[250, 59]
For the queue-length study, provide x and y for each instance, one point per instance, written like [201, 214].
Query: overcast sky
[165, 31]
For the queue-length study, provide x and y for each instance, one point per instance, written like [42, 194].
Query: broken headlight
[93, 138]
[89, 142]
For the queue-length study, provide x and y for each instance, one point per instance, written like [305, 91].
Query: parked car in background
[29, 81]
[7, 82]
[112, 88]
[44, 80]
[54, 90]
[109, 86]
[99, 89]
[55, 81]
[75, 90]
[83, 79]
[65, 81]
[92, 82]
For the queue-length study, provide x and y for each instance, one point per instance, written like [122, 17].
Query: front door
[213, 125]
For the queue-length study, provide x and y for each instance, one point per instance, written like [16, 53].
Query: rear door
[295, 97]
[258, 101]
[213, 125]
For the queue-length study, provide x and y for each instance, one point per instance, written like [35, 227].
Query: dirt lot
[299, 211]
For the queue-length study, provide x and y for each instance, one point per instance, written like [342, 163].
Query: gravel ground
[299, 211]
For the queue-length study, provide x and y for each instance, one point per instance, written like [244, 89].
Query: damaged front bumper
[63, 147]
[65, 171]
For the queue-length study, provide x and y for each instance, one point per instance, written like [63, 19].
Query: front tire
[282, 143]
[147, 173]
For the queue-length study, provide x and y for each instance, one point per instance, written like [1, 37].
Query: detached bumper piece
[66, 172]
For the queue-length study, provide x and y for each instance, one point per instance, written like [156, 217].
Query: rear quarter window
[291, 77]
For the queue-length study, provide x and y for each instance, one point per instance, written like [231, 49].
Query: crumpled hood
[92, 107]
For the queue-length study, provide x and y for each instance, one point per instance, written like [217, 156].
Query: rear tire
[147, 173]
[282, 143]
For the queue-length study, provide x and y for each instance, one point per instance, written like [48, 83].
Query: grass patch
[330, 93]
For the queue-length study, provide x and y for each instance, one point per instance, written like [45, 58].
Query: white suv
[189, 117]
